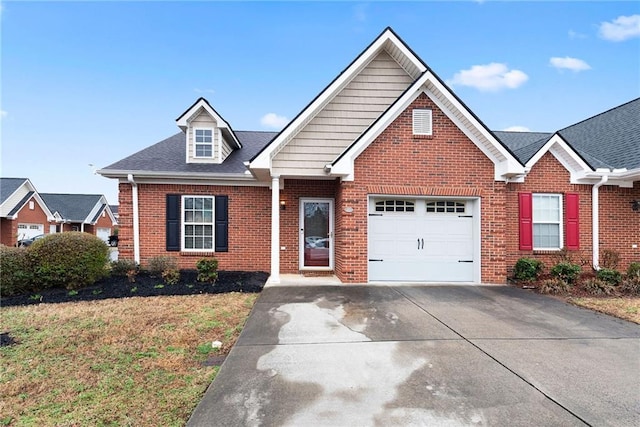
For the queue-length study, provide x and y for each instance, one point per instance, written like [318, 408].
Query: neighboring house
[81, 212]
[114, 211]
[25, 213]
[385, 176]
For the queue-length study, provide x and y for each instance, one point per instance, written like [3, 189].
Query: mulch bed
[146, 286]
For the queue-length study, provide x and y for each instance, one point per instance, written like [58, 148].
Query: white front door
[316, 234]
[421, 240]
[103, 233]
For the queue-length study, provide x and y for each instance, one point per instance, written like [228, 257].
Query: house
[81, 212]
[25, 213]
[385, 176]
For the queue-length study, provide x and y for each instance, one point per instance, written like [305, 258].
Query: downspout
[595, 217]
[136, 222]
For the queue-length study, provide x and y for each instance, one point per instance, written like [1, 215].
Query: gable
[344, 118]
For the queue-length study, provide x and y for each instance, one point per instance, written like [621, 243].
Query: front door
[316, 234]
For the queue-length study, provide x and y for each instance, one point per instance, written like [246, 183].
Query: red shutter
[526, 221]
[572, 225]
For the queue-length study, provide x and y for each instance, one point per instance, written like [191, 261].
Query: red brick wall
[548, 176]
[9, 228]
[249, 225]
[619, 225]
[397, 162]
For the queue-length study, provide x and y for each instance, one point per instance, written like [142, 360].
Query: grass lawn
[627, 308]
[125, 362]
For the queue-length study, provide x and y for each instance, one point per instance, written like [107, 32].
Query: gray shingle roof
[610, 139]
[8, 186]
[21, 203]
[523, 144]
[169, 156]
[72, 207]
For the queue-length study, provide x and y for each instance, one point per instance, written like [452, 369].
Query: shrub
[553, 286]
[123, 267]
[71, 259]
[527, 269]
[159, 264]
[633, 270]
[207, 270]
[15, 271]
[631, 285]
[171, 276]
[596, 286]
[609, 259]
[566, 271]
[609, 275]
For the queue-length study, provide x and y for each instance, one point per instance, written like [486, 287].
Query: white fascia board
[263, 161]
[109, 173]
[569, 159]
[504, 167]
[622, 178]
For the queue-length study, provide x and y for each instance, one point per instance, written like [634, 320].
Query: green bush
[171, 276]
[15, 271]
[123, 267]
[609, 275]
[597, 286]
[527, 269]
[566, 271]
[159, 264]
[71, 259]
[633, 270]
[553, 286]
[207, 270]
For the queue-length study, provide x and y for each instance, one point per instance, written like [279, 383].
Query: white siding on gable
[13, 200]
[344, 118]
[225, 148]
[203, 121]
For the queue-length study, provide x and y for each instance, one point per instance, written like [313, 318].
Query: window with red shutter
[573, 221]
[526, 224]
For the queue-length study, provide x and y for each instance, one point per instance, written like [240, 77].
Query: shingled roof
[8, 186]
[71, 207]
[169, 156]
[523, 144]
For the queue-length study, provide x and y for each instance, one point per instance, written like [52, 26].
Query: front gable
[209, 138]
[506, 166]
[342, 111]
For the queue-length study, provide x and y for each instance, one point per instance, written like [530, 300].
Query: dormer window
[203, 139]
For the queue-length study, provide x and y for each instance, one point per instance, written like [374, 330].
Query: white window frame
[422, 117]
[196, 144]
[184, 223]
[560, 221]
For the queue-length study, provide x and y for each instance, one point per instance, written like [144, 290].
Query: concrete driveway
[425, 355]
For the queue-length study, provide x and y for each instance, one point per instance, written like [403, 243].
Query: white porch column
[275, 229]
[595, 224]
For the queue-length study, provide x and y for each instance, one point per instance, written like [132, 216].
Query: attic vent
[422, 122]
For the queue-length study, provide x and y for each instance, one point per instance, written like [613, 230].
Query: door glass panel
[316, 234]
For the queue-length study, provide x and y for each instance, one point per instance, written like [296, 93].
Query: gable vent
[422, 122]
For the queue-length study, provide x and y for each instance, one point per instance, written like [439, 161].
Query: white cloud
[3, 114]
[517, 129]
[576, 35]
[273, 120]
[620, 29]
[490, 77]
[568, 63]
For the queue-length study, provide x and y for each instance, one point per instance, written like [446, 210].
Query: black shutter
[222, 224]
[173, 222]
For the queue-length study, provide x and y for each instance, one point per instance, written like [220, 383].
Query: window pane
[208, 203]
[546, 236]
[188, 203]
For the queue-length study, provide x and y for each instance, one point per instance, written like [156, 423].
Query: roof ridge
[599, 114]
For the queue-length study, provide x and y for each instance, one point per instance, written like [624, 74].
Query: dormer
[209, 137]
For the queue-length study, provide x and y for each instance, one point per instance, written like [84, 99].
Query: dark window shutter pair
[572, 223]
[221, 223]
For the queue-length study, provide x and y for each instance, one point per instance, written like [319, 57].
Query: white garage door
[103, 233]
[27, 231]
[421, 240]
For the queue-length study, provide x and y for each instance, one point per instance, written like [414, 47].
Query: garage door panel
[422, 246]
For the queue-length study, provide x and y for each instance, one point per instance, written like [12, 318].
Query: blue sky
[88, 83]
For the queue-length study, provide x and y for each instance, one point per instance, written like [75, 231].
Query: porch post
[275, 229]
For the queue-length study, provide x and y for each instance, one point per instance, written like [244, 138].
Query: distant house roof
[72, 207]
[610, 139]
[168, 156]
[8, 186]
[114, 209]
[21, 203]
